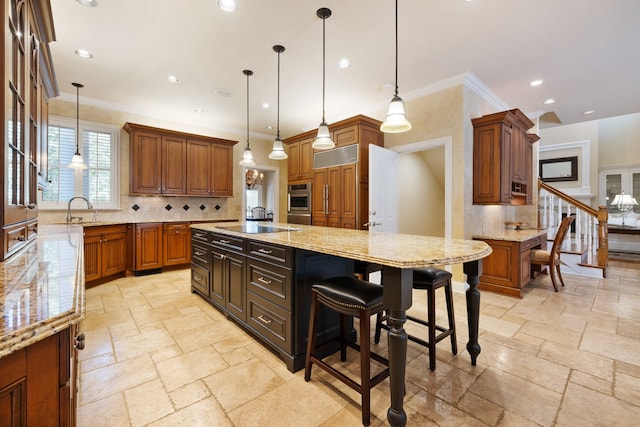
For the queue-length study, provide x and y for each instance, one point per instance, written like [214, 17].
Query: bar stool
[349, 297]
[430, 279]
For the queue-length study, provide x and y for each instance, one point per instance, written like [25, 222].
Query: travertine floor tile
[189, 367]
[108, 412]
[584, 407]
[148, 402]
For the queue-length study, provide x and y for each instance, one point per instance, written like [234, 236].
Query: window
[100, 149]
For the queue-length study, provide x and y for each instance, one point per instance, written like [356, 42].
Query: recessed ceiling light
[198, 110]
[269, 127]
[172, 79]
[227, 5]
[88, 3]
[84, 54]
[388, 86]
[536, 83]
[344, 63]
[586, 113]
[265, 105]
[550, 101]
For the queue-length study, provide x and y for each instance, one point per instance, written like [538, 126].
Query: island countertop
[391, 249]
[42, 288]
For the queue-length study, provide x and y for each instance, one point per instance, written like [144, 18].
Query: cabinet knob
[79, 341]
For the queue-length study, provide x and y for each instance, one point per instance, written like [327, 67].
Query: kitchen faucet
[79, 218]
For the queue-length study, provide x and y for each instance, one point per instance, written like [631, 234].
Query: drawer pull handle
[264, 320]
[265, 251]
[197, 278]
[199, 234]
[198, 253]
[225, 241]
[219, 256]
[263, 280]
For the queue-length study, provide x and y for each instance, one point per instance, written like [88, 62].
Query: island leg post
[398, 285]
[473, 270]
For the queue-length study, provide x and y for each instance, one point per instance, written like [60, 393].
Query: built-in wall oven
[299, 203]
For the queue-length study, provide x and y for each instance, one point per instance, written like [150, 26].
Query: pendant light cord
[323, 66]
[77, 119]
[396, 91]
[278, 106]
[247, 73]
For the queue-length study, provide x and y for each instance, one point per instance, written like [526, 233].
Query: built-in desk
[507, 270]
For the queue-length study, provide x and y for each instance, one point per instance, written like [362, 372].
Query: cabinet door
[145, 163]
[218, 277]
[236, 285]
[92, 258]
[198, 168]
[334, 197]
[174, 165]
[348, 199]
[176, 246]
[346, 136]
[113, 254]
[519, 155]
[306, 159]
[319, 194]
[148, 246]
[293, 162]
[221, 171]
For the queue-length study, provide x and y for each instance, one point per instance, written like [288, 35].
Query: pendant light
[278, 153]
[247, 156]
[323, 139]
[396, 120]
[76, 160]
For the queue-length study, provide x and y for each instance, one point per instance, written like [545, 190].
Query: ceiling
[586, 53]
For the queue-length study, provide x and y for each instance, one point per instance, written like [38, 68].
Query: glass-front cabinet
[621, 184]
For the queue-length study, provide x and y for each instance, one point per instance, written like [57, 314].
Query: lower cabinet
[38, 383]
[147, 246]
[104, 251]
[265, 287]
[508, 269]
[176, 243]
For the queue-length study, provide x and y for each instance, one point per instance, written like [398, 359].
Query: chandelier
[253, 178]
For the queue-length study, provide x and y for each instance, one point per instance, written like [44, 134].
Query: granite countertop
[101, 223]
[391, 249]
[512, 235]
[42, 287]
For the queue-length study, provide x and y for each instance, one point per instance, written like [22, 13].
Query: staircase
[585, 250]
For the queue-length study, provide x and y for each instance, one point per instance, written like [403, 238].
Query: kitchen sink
[253, 228]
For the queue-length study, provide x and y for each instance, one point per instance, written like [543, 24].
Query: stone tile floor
[159, 355]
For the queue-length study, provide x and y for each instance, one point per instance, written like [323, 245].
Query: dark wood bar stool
[430, 279]
[349, 297]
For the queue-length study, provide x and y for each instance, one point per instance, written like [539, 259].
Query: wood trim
[130, 127]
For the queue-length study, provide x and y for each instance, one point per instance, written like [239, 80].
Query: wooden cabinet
[104, 251]
[38, 383]
[502, 156]
[227, 276]
[176, 243]
[147, 246]
[508, 269]
[28, 82]
[300, 160]
[340, 177]
[209, 169]
[178, 164]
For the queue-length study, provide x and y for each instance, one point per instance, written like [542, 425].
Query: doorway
[260, 193]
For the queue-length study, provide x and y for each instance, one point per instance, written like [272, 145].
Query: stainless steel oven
[299, 203]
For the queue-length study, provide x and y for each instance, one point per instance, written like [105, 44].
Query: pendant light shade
[396, 120]
[278, 153]
[76, 160]
[247, 156]
[323, 139]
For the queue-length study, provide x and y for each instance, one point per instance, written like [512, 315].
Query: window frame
[88, 126]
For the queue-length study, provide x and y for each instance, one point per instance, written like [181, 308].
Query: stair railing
[589, 233]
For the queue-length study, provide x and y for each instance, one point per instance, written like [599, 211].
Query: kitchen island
[260, 274]
[42, 302]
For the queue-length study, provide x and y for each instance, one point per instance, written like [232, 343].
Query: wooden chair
[552, 258]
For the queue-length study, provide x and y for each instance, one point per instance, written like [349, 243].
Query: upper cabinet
[502, 158]
[165, 162]
[28, 84]
[300, 160]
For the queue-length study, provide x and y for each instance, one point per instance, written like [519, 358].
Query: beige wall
[153, 208]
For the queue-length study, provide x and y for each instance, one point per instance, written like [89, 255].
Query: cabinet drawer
[233, 243]
[272, 253]
[270, 321]
[200, 255]
[199, 279]
[99, 230]
[200, 235]
[15, 237]
[270, 282]
[175, 226]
